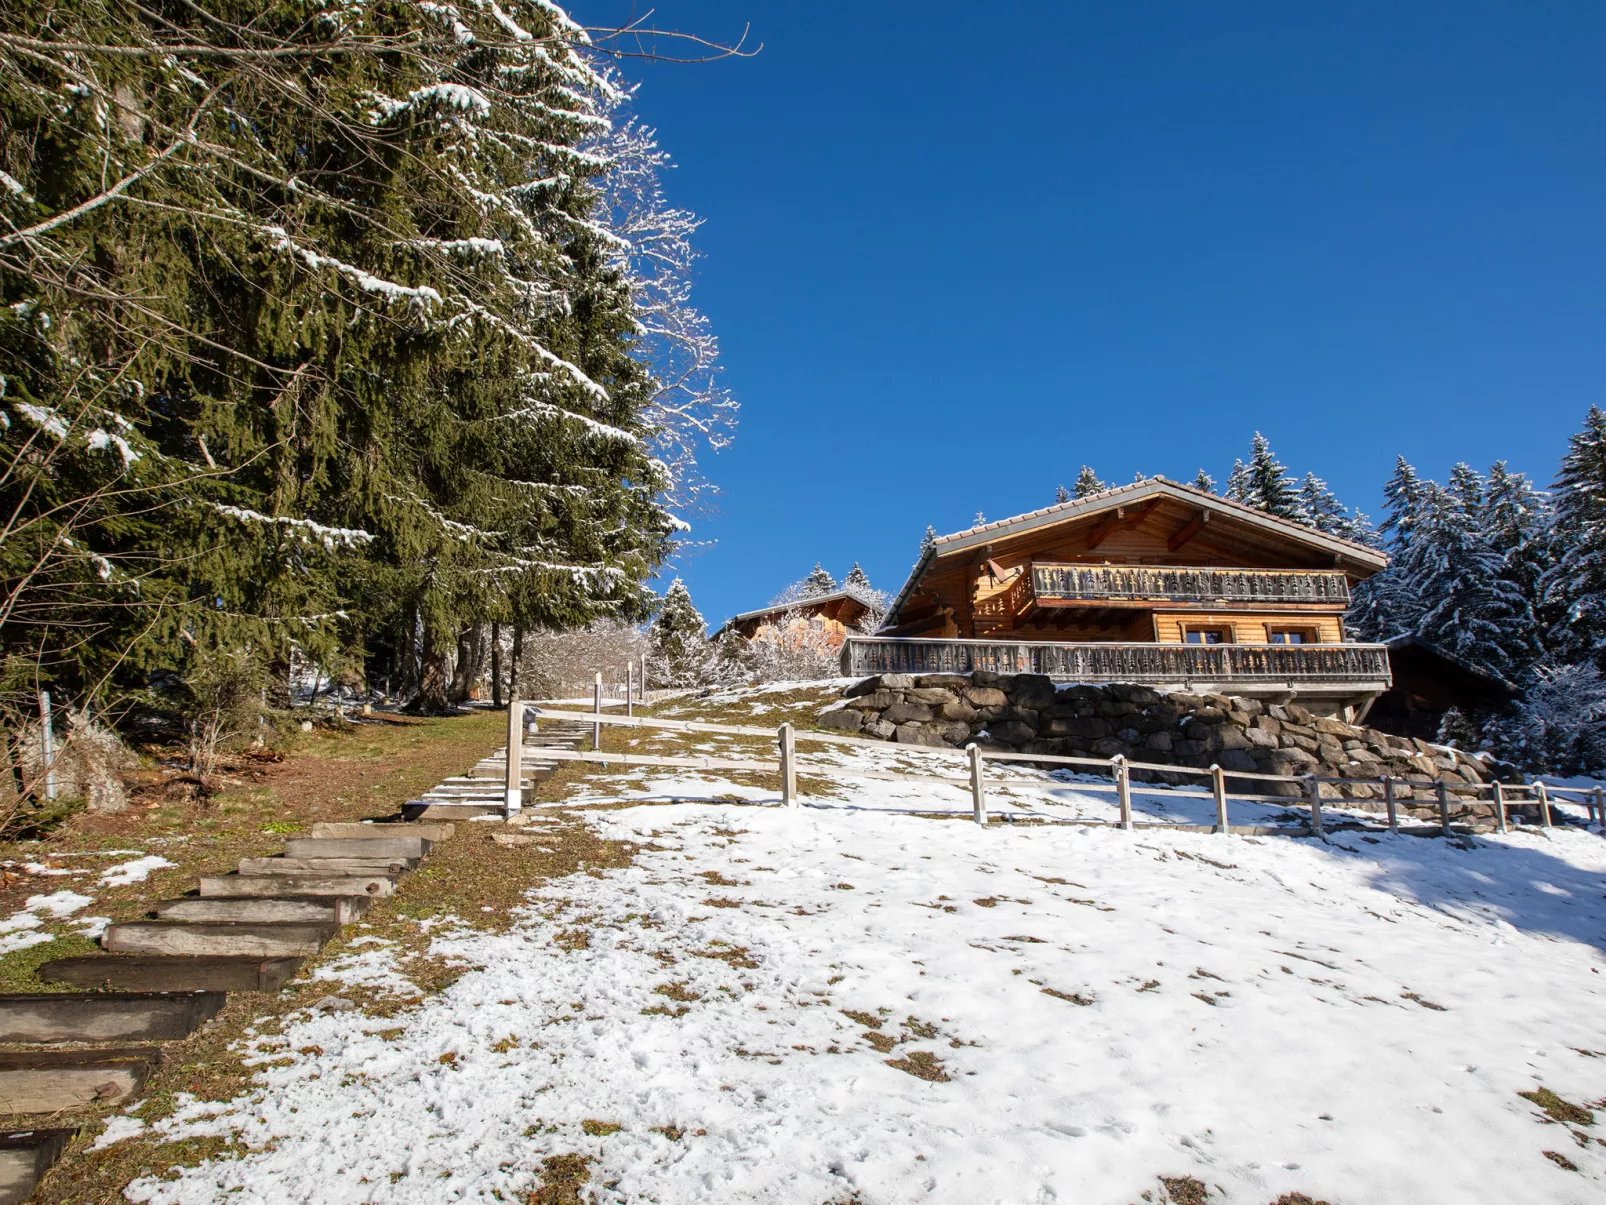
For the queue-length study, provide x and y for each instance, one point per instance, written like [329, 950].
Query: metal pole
[788, 743]
[978, 795]
[630, 688]
[1388, 802]
[1123, 790]
[515, 756]
[1500, 805]
[1444, 806]
[596, 708]
[1313, 794]
[47, 744]
[1544, 803]
[1218, 787]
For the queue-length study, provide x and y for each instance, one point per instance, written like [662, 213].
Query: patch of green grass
[1558, 1109]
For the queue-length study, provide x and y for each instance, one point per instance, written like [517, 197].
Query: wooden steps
[53, 1081]
[244, 932]
[105, 1017]
[171, 974]
[288, 886]
[199, 939]
[266, 910]
[25, 1155]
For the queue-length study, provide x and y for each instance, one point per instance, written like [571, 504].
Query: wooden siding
[1169, 626]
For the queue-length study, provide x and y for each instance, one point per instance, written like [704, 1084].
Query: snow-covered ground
[847, 1002]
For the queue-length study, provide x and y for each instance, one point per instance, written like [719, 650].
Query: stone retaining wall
[1028, 713]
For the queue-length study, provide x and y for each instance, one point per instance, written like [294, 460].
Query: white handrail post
[515, 756]
[1313, 794]
[787, 739]
[47, 744]
[1444, 806]
[596, 707]
[1500, 805]
[1218, 788]
[1388, 802]
[630, 688]
[1123, 789]
[978, 793]
[1600, 807]
[1544, 803]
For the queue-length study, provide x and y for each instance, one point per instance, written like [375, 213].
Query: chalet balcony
[1338, 669]
[1052, 583]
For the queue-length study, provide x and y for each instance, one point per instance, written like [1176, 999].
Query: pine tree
[1238, 484]
[1061, 495]
[678, 638]
[1267, 486]
[1204, 481]
[818, 583]
[1468, 608]
[856, 582]
[1574, 588]
[929, 540]
[1087, 482]
[1517, 520]
[1402, 502]
[1320, 508]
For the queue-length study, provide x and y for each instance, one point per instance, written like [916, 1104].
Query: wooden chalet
[837, 614]
[1154, 583]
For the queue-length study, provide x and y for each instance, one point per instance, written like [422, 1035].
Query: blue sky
[955, 251]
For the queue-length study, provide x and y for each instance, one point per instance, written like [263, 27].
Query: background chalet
[1154, 583]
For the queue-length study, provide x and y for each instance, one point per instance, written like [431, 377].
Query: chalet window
[1291, 636]
[1207, 636]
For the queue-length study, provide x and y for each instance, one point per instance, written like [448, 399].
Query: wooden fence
[1216, 780]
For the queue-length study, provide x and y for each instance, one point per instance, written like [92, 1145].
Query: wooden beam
[1119, 521]
[1188, 530]
[999, 573]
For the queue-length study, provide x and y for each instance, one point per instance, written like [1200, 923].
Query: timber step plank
[50, 1081]
[162, 973]
[223, 939]
[25, 1156]
[435, 809]
[356, 847]
[280, 886]
[327, 866]
[105, 1016]
[307, 909]
[380, 830]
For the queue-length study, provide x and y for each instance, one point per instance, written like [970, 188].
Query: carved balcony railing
[1143, 664]
[1051, 583]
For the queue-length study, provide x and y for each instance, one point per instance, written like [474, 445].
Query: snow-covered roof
[793, 605]
[1123, 495]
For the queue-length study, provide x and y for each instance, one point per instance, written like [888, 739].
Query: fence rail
[1363, 665]
[1501, 795]
[1051, 582]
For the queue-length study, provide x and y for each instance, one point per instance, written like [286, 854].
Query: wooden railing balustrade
[1141, 664]
[1178, 583]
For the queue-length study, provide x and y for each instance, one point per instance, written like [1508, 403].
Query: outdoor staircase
[161, 979]
[483, 790]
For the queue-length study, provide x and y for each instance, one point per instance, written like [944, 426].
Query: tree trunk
[496, 665]
[433, 680]
[518, 654]
[470, 661]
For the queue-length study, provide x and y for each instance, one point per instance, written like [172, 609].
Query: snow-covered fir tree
[1238, 486]
[1267, 485]
[857, 582]
[1204, 481]
[1573, 589]
[929, 540]
[1319, 507]
[678, 638]
[1517, 521]
[1061, 495]
[818, 583]
[1402, 502]
[1087, 482]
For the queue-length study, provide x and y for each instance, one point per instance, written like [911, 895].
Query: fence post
[1500, 805]
[1444, 806]
[1544, 803]
[978, 794]
[787, 740]
[1388, 802]
[1600, 807]
[1218, 787]
[644, 677]
[1313, 795]
[515, 756]
[596, 708]
[1123, 789]
[47, 744]
[630, 688]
